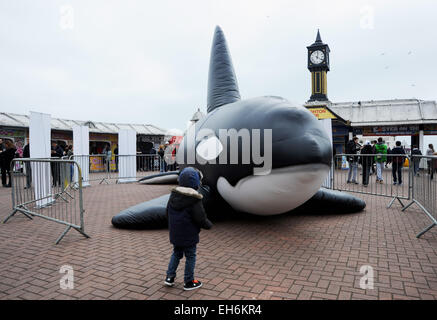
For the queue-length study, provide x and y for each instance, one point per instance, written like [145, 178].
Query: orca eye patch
[209, 148]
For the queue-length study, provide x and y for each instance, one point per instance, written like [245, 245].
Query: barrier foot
[14, 212]
[391, 203]
[63, 234]
[425, 230]
[104, 180]
[83, 233]
[9, 216]
[59, 195]
[407, 206]
[393, 200]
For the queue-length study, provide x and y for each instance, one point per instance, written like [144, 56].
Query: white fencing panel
[39, 147]
[127, 148]
[81, 150]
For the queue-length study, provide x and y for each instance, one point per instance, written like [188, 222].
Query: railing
[120, 168]
[424, 188]
[379, 175]
[44, 188]
[395, 176]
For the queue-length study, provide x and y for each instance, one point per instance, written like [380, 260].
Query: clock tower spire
[318, 65]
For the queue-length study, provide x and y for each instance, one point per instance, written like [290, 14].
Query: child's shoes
[191, 285]
[169, 281]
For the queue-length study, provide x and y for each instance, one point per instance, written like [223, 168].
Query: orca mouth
[282, 190]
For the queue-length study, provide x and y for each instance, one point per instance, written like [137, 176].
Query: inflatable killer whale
[301, 156]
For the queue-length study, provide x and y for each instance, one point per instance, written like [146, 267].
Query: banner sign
[322, 113]
[430, 129]
[405, 130]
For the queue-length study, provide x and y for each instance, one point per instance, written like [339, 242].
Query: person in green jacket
[380, 158]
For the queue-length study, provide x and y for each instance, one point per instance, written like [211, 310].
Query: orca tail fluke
[147, 215]
[170, 177]
[327, 201]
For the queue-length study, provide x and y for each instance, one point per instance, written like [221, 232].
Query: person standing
[161, 153]
[380, 158]
[373, 171]
[366, 162]
[69, 154]
[416, 160]
[56, 153]
[430, 152]
[26, 154]
[186, 216]
[5, 160]
[352, 147]
[397, 163]
[116, 158]
[434, 165]
[107, 158]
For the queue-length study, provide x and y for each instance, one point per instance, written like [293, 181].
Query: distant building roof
[387, 112]
[22, 121]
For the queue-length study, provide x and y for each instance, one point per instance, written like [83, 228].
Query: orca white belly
[278, 192]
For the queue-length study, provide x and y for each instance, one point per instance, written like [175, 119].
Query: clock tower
[318, 64]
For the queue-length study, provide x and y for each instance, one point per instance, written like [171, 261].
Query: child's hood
[183, 197]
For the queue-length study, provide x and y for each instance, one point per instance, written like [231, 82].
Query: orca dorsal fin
[222, 82]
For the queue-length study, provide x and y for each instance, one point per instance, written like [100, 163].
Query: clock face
[317, 57]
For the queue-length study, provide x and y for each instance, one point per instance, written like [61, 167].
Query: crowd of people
[165, 160]
[8, 152]
[377, 156]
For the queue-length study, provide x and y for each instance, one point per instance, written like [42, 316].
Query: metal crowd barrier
[329, 181]
[369, 174]
[45, 188]
[102, 168]
[424, 188]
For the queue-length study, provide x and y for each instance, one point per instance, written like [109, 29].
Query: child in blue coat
[186, 215]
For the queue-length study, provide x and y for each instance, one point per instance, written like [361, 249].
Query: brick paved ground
[283, 257]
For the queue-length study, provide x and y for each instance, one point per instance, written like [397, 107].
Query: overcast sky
[147, 61]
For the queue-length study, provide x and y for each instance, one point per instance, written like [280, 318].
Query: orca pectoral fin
[170, 177]
[147, 215]
[327, 201]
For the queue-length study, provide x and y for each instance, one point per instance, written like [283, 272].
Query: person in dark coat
[416, 160]
[373, 171]
[352, 147]
[26, 154]
[116, 158]
[366, 162]
[186, 215]
[398, 163]
[163, 163]
[56, 152]
[5, 161]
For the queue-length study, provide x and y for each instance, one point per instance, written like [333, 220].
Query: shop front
[16, 135]
[98, 143]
